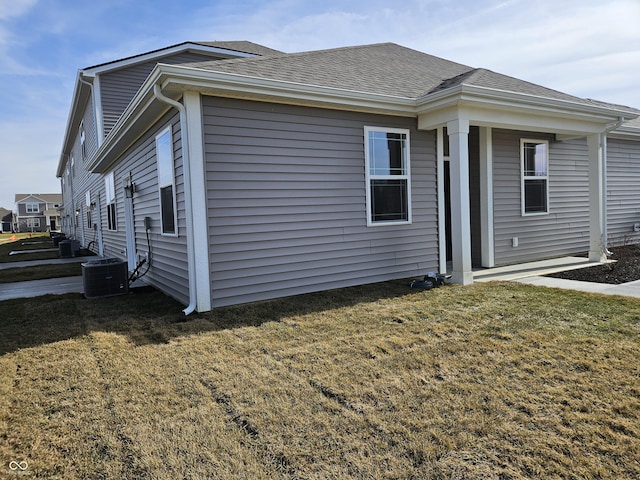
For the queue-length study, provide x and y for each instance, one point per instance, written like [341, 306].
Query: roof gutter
[191, 260]
[502, 98]
[232, 85]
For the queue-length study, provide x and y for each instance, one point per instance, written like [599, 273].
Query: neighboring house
[37, 212]
[242, 173]
[6, 220]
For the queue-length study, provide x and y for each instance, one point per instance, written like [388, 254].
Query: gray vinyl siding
[168, 270]
[79, 179]
[565, 230]
[120, 86]
[286, 202]
[623, 191]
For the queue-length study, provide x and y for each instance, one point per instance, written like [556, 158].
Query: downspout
[610, 128]
[191, 260]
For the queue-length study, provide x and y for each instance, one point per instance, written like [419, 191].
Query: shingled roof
[243, 46]
[384, 68]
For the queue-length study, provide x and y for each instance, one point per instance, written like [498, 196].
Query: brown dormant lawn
[492, 381]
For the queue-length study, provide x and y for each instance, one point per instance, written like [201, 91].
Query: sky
[587, 48]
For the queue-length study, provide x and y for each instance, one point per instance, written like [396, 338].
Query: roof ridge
[307, 53]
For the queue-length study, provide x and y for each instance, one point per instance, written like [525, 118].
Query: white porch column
[597, 214]
[460, 215]
[442, 236]
[486, 197]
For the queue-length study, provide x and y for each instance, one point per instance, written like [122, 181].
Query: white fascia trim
[145, 57]
[97, 110]
[75, 99]
[503, 99]
[177, 80]
[628, 133]
[132, 113]
[244, 86]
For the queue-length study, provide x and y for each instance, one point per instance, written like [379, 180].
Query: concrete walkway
[533, 274]
[32, 263]
[54, 286]
[35, 288]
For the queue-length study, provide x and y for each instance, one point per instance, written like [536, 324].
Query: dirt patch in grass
[626, 268]
[491, 381]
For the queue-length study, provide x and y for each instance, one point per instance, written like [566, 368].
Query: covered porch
[467, 120]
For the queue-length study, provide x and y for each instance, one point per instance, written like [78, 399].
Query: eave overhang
[481, 106]
[81, 95]
[501, 109]
[85, 77]
[174, 80]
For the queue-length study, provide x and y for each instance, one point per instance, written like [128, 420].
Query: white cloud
[15, 8]
[28, 165]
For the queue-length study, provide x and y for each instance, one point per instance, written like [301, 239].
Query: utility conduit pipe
[191, 259]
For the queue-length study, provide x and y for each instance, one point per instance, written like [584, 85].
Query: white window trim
[522, 178]
[31, 210]
[110, 187]
[173, 184]
[369, 177]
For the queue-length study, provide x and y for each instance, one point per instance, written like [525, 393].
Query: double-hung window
[166, 182]
[535, 176]
[387, 175]
[32, 208]
[109, 187]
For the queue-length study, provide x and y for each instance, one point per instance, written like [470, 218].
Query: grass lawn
[24, 274]
[23, 241]
[491, 381]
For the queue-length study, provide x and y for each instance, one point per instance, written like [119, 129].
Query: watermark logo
[18, 467]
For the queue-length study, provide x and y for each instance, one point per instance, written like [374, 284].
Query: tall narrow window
[535, 176]
[387, 175]
[83, 147]
[87, 196]
[166, 182]
[110, 193]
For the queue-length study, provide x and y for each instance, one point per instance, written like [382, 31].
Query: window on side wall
[387, 176]
[110, 193]
[166, 182]
[83, 145]
[535, 176]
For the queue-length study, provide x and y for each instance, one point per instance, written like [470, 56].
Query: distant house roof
[43, 197]
[5, 215]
